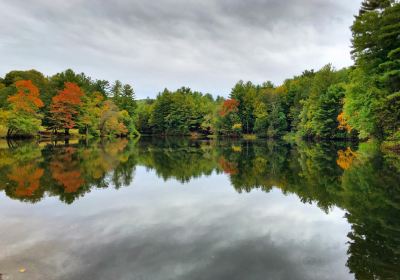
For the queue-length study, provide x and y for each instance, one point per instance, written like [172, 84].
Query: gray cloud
[207, 45]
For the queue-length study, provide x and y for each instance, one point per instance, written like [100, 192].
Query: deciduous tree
[64, 107]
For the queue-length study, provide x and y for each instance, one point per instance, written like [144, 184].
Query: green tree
[90, 113]
[325, 120]
[375, 50]
[318, 117]
[362, 103]
[277, 121]
[246, 94]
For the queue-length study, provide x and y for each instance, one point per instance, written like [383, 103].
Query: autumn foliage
[343, 123]
[64, 107]
[27, 97]
[22, 117]
[230, 105]
[345, 158]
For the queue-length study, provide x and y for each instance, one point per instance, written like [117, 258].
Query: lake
[177, 208]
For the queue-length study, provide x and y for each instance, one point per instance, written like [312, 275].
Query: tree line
[361, 101]
[31, 102]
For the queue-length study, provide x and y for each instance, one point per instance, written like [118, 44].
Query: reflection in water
[360, 180]
[65, 170]
[345, 158]
[27, 178]
[30, 171]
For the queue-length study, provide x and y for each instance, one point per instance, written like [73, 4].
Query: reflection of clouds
[165, 230]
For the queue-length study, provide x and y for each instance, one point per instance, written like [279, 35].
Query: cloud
[207, 45]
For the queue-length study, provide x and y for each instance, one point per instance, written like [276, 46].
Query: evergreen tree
[277, 122]
[371, 5]
[376, 32]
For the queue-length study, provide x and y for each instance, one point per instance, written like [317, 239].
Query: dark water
[181, 209]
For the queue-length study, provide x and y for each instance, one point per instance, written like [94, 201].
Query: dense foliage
[308, 105]
[31, 102]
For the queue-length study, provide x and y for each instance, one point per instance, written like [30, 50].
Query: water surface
[185, 209]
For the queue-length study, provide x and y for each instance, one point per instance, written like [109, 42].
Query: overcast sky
[207, 45]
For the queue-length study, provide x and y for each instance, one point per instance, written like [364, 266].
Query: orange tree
[64, 107]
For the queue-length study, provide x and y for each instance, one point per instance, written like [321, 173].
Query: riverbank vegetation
[31, 103]
[358, 102]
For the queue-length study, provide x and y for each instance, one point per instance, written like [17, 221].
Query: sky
[207, 45]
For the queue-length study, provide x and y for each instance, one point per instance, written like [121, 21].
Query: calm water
[181, 209]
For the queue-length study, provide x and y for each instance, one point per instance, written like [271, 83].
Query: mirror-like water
[182, 209]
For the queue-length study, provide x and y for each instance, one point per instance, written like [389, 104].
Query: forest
[358, 102]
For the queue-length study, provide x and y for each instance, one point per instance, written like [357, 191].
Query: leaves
[64, 107]
[27, 97]
[229, 106]
[342, 119]
[23, 117]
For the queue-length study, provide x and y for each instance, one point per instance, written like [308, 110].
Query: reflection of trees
[95, 165]
[362, 181]
[20, 172]
[27, 178]
[178, 158]
[27, 171]
[310, 171]
[253, 166]
[371, 195]
[123, 169]
[365, 183]
[227, 166]
[65, 170]
[319, 174]
[345, 158]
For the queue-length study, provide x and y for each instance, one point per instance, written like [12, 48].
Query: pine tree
[371, 5]
[376, 48]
